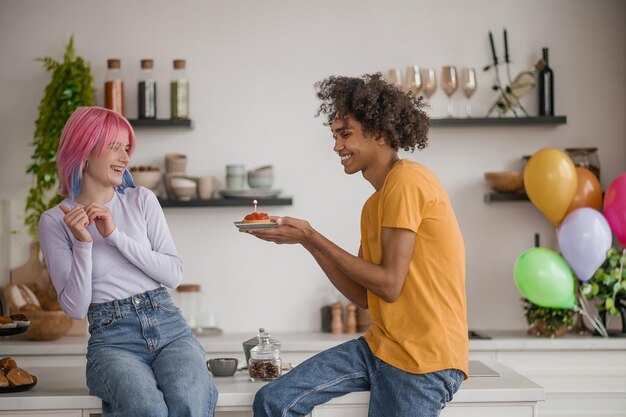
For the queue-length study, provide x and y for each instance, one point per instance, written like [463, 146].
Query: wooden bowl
[47, 324]
[505, 182]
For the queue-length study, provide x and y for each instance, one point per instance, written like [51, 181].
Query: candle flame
[255, 203]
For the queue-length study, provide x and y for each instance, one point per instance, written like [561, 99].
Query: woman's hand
[77, 220]
[101, 216]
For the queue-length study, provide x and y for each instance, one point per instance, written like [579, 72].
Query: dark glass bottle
[546, 87]
[146, 91]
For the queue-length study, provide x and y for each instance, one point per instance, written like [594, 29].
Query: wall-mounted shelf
[228, 202]
[497, 197]
[161, 123]
[500, 121]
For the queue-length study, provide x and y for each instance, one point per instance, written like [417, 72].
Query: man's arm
[346, 271]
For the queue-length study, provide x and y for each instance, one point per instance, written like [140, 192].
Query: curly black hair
[381, 108]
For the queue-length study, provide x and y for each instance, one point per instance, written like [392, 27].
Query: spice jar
[146, 91]
[265, 363]
[585, 158]
[179, 91]
[114, 87]
[189, 296]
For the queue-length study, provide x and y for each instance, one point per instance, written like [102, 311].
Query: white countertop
[66, 389]
[317, 341]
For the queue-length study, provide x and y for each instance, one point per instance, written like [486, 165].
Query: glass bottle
[189, 296]
[179, 91]
[585, 158]
[265, 363]
[545, 80]
[146, 91]
[114, 87]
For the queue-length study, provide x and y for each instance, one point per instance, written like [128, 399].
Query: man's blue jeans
[143, 360]
[352, 367]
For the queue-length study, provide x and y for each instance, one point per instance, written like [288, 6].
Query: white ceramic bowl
[183, 188]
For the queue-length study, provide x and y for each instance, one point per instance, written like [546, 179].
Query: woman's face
[107, 168]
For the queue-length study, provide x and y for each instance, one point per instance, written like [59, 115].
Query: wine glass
[468, 85]
[449, 84]
[394, 77]
[429, 82]
[412, 80]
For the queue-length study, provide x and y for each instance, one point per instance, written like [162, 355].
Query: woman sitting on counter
[109, 253]
[409, 271]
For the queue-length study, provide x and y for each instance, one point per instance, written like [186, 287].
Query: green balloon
[545, 278]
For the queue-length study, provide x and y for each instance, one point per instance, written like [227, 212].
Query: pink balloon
[615, 207]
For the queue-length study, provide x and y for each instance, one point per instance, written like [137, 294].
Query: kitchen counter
[66, 390]
[317, 341]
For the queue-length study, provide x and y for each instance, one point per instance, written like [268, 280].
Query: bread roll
[4, 382]
[7, 363]
[19, 376]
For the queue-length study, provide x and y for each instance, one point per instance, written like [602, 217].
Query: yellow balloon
[551, 181]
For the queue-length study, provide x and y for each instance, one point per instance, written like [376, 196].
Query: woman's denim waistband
[147, 299]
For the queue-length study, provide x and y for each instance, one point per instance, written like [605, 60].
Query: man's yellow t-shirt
[425, 329]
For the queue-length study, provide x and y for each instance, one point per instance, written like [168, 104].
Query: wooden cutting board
[34, 271]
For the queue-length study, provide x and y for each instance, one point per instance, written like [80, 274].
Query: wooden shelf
[498, 197]
[161, 123]
[499, 121]
[228, 202]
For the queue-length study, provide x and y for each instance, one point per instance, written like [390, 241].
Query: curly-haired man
[409, 272]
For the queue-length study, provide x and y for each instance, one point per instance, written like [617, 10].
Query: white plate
[251, 193]
[255, 226]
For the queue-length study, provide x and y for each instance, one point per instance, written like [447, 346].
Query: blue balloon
[584, 238]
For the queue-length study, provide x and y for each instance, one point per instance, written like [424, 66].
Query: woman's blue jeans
[352, 367]
[143, 360]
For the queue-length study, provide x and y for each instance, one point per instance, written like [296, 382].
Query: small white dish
[255, 226]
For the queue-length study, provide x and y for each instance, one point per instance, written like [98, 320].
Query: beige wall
[252, 66]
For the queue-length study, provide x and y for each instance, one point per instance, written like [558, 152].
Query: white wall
[252, 66]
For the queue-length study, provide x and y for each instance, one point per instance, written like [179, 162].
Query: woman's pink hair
[87, 130]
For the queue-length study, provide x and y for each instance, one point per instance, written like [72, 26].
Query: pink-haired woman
[110, 256]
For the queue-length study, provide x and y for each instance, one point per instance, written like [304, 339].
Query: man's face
[356, 150]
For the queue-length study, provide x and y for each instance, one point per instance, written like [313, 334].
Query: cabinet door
[340, 411]
[51, 413]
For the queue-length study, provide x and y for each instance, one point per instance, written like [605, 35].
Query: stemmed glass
[394, 76]
[449, 84]
[468, 85]
[412, 80]
[429, 82]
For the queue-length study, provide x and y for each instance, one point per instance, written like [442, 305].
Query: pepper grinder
[351, 319]
[336, 323]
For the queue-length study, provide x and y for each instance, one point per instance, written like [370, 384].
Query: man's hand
[289, 231]
[101, 216]
[77, 220]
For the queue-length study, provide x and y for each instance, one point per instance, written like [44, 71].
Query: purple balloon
[584, 239]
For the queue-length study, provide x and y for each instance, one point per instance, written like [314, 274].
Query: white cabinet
[577, 382]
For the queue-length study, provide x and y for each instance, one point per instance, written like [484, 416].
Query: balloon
[588, 191]
[550, 181]
[584, 238]
[544, 277]
[615, 207]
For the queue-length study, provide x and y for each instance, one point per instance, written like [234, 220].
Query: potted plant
[544, 321]
[608, 287]
[71, 87]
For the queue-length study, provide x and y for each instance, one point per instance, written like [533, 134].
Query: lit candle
[254, 202]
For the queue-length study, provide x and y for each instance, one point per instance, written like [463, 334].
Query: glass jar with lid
[585, 158]
[190, 296]
[265, 363]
